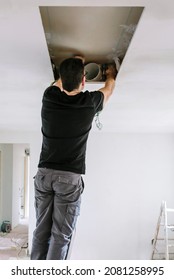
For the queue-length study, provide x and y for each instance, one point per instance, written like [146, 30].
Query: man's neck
[73, 92]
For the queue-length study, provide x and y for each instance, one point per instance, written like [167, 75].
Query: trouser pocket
[72, 213]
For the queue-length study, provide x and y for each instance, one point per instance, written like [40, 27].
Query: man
[67, 115]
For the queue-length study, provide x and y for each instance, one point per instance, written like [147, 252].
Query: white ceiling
[144, 96]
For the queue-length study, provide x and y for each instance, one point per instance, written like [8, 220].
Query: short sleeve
[97, 100]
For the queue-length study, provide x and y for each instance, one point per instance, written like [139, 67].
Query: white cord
[97, 121]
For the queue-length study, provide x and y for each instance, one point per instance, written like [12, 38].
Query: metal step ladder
[164, 228]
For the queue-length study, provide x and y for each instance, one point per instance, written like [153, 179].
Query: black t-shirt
[66, 122]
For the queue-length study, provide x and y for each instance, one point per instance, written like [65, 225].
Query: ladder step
[169, 209]
[162, 238]
[170, 227]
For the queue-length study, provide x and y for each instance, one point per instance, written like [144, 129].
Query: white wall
[6, 181]
[128, 175]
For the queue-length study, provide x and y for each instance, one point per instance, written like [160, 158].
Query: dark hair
[71, 72]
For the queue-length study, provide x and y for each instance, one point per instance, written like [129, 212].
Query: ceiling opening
[100, 34]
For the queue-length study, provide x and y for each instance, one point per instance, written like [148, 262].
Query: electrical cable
[97, 121]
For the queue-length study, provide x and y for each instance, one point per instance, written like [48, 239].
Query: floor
[14, 245]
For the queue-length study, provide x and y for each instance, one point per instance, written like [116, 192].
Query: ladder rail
[166, 231]
[163, 215]
[157, 232]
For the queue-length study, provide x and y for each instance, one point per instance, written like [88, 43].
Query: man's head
[72, 73]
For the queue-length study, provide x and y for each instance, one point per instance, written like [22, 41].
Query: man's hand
[109, 86]
[111, 71]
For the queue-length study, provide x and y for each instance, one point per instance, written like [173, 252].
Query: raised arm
[109, 83]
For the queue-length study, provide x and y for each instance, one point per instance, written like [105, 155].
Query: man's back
[66, 122]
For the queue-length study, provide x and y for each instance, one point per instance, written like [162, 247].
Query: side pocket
[38, 183]
[72, 213]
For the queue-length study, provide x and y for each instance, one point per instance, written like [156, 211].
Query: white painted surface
[6, 181]
[143, 99]
[128, 177]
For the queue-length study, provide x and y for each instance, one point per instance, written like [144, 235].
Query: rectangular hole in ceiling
[100, 34]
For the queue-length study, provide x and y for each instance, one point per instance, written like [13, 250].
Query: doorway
[14, 199]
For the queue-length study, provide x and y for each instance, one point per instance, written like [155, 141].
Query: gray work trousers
[57, 204]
